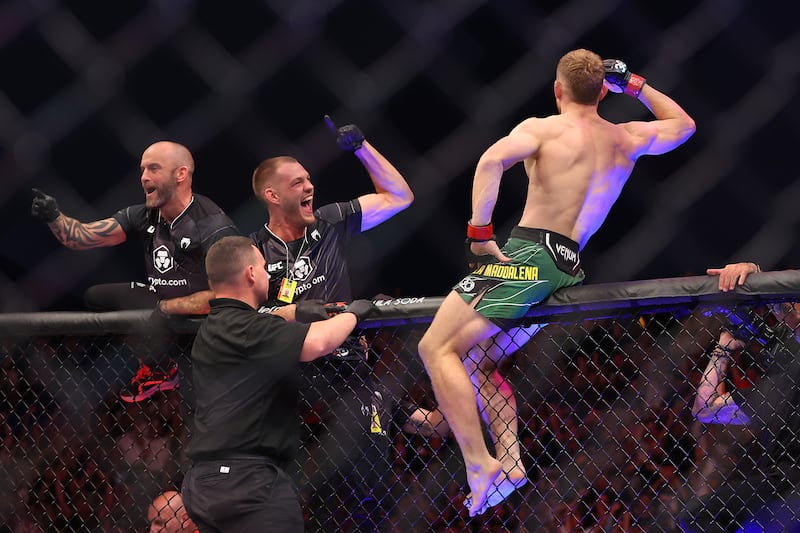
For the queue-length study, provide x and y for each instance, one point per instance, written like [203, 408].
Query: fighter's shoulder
[535, 123]
[634, 135]
[541, 126]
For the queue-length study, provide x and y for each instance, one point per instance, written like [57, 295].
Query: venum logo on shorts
[566, 253]
[162, 260]
[467, 284]
[302, 268]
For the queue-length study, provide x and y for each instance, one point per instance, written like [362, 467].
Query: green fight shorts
[542, 262]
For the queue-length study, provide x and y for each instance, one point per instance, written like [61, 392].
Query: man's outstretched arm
[71, 232]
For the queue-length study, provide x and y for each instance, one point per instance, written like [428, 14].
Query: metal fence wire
[605, 403]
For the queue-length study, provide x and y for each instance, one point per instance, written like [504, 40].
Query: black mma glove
[618, 75]
[361, 308]
[44, 207]
[478, 234]
[307, 311]
[348, 137]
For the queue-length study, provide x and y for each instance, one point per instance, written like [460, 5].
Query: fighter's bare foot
[481, 479]
[502, 487]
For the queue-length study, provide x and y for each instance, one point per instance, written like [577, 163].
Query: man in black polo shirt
[345, 464]
[176, 227]
[246, 376]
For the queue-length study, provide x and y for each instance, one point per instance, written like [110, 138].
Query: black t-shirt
[246, 379]
[318, 261]
[174, 254]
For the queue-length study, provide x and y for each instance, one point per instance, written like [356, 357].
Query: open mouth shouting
[150, 195]
[307, 205]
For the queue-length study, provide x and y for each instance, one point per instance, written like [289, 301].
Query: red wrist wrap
[634, 86]
[480, 233]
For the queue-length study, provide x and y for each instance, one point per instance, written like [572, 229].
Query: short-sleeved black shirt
[318, 261]
[174, 254]
[246, 379]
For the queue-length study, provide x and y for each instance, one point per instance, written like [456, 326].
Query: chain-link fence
[607, 398]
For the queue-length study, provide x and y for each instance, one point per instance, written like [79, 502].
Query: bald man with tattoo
[176, 227]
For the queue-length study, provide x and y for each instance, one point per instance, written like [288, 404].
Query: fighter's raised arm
[673, 126]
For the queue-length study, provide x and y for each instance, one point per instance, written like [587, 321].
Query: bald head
[176, 154]
[168, 515]
[167, 169]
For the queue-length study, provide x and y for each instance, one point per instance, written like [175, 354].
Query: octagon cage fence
[605, 393]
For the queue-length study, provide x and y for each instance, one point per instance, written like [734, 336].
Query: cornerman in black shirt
[176, 228]
[345, 461]
[246, 378]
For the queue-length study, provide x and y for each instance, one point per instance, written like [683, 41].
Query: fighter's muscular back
[577, 163]
[577, 172]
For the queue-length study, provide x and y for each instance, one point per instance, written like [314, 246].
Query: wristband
[480, 233]
[634, 86]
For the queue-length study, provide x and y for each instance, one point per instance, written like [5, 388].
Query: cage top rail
[587, 300]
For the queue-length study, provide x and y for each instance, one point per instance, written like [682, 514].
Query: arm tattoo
[76, 235]
[193, 304]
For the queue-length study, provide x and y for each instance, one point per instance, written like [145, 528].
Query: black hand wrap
[348, 137]
[44, 207]
[308, 311]
[617, 74]
[361, 308]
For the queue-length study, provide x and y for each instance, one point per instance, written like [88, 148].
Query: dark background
[86, 86]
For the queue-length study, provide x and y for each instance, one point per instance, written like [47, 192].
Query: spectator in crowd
[73, 494]
[176, 227]
[167, 514]
[345, 461]
[146, 456]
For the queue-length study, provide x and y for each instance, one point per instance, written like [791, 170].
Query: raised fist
[44, 207]
[348, 137]
[619, 79]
